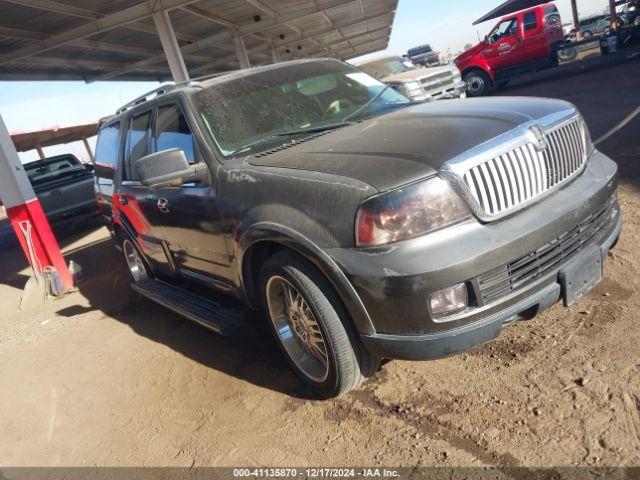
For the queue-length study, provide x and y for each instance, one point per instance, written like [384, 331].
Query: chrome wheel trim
[475, 84]
[134, 262]
[297, 329]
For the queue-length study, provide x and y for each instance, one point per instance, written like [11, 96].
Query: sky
[446, 25]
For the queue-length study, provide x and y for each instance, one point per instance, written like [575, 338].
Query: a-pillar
[26, 214]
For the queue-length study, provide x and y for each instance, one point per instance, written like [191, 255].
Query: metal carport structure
[124, 39]
[161, 40]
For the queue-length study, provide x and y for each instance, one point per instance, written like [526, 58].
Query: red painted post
[26, 214]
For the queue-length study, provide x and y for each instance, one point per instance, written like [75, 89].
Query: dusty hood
[413, 75]
[412, 143]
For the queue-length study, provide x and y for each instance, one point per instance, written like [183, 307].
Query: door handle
[163, 205]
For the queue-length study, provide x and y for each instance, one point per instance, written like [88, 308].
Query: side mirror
[89, 167]
[487, 40]
[168, 168]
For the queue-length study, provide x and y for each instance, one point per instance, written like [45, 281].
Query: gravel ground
[105, 378]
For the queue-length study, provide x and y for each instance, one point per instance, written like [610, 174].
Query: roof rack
[166, 88]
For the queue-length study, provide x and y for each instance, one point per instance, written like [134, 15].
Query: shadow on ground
[250, 354]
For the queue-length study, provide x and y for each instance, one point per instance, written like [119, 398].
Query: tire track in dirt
[431, 425]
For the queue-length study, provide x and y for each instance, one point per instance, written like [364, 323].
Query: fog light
[449, 300]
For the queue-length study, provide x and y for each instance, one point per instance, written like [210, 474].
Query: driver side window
[173, 131]
[505, 29]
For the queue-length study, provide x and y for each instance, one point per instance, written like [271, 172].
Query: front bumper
[395, 282]
[451, 342]
[459, 90]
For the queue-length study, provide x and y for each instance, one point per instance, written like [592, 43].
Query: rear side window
[137, 142]
[530, 21]
[173, 131]
[107, 150]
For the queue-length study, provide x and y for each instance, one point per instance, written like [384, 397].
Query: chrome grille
[436, 80]
[508, 181]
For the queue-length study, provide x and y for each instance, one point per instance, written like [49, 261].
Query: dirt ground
[103, 377]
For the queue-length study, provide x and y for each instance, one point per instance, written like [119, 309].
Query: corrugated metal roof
[116, 39]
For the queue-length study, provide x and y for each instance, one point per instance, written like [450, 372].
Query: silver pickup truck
[64, 187]
[415, 83]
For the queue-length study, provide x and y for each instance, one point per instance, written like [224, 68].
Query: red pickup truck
[523, 42]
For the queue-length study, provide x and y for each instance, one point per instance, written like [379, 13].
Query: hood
[475, 50]
[413, 75]
[411, 143]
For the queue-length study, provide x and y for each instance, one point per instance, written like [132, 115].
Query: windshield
[254, 111]
[419, 50]
[47, 168]
[386, 67]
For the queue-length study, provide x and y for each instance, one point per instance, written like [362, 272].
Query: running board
[215, 316]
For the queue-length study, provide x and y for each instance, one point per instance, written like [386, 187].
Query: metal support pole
[576, 19]
[40, 152]
[171, 47]
[241, 52]
[275, 56]
[89, 151]
[26, 214]
[613, 13]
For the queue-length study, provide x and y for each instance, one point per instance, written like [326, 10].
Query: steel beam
[241, 52]
[108, 22]
[170, 46]
[80, 12]
[576, 19]
[256, 27]
[290, 41]
[89, 151]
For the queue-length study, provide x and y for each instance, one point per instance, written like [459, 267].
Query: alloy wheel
[297, 328]
[134, 262]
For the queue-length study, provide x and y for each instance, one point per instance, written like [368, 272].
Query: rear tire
[478, 83]
[312, 328]
[135, 262]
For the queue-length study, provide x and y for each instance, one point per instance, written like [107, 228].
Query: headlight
[408, 212]
[413, 87]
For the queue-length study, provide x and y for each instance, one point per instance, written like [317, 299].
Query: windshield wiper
[363, 107]
[318, 128]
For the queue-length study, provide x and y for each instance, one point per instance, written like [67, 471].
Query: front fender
[479, 63]
[281, 235]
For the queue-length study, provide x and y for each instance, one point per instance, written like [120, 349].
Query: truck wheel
[135, 262]
[312, 327]
[478, 83]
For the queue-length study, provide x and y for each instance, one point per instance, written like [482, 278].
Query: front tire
[478, 83]
[312, 327]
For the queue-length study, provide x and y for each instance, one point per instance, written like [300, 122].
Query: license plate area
[580, 275]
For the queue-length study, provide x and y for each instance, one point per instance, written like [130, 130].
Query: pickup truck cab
[423, 55]
[523, 42]
[64, 187]
[366, 226]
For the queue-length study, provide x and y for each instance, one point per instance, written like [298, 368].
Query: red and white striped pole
[26, 214]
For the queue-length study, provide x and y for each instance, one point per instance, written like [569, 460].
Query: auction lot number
[315, 472]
